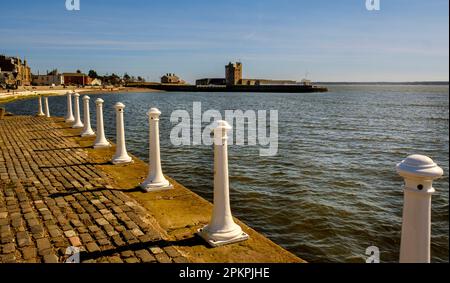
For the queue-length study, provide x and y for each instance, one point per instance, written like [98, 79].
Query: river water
[332, 190]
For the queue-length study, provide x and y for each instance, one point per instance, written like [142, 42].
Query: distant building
[171, 79]
[306, 82]
[96, 82]
[233, 73]
[14, 72]
[211, 82]
[75, 79]
[233, 77]
[266, 82]
[50, 79]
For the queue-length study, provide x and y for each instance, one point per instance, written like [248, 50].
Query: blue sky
[331, 40]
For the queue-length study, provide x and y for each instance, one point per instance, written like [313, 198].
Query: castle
[233, 77]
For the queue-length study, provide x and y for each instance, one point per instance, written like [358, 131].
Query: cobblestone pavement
[52, 198]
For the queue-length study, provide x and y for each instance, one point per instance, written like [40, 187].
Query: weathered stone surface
[23, 239]
[49, 200]
[131, 260]
[75, 241]
[8, 248]
[50, 258]
[44, 246]
[180, 260]
[163, 258]
[92, 247]
[156, 250]
[70, 233]
[145, 256]
[29, 253]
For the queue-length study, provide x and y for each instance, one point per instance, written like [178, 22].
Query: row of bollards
[418, 171]
[222, 229]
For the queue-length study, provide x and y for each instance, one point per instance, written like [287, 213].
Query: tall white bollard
[87, 130]
[101, 141]
[155, 180]
[222, 229]
[77, 124]
[419, 172]
[40, 112]
[121, 155]
[47, 110]
[69, 114]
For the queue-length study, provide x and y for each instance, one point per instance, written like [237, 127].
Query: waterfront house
[170, 78]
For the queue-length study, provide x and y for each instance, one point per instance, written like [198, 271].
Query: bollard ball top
[119, 105]
[222, 125]
[99, 101]
[76, 94]
[419, 166]
[153, 112]
[86, 97]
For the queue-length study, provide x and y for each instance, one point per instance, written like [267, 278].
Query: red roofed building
[75, 79]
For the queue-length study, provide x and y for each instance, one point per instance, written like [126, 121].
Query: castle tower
[233, 73]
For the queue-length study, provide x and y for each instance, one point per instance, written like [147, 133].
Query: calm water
[332, 190]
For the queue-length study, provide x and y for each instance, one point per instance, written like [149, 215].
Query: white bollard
[222, 230]
[155, 180]
[101, 141]
[47, 111]
[121, 155]
[40, 112]
[419, 172]
[87, 130]
[77, 124]
[69, 115]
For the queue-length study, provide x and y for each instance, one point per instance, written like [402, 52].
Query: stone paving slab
[53, 198]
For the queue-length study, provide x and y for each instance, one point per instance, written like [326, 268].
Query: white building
[96, 82]
[47, 80]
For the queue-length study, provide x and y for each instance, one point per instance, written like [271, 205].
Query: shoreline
[7, 97]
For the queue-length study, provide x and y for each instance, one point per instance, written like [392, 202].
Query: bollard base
[102, 145]
[213, 243]
[78, 126]
[40, 115]
[148, 188]
[88, 134]
[70, 120]
[117, 161]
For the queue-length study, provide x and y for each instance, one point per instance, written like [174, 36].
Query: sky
[323, 40]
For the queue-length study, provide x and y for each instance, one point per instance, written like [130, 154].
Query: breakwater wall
[236, 88]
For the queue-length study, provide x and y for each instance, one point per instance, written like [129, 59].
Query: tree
[78, 72]
[114, 79]
[93, 74]
[54, 72]
[126, 77]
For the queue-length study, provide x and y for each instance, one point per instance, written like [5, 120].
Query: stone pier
[57, 192]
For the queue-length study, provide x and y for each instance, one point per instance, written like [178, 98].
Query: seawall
[236, 88]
